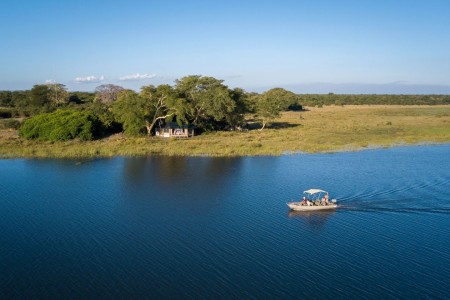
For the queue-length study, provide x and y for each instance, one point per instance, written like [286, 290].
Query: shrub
[62, 125]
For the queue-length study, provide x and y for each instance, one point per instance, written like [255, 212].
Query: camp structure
[172, 129]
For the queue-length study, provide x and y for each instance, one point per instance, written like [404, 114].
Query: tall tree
[107, 93]
[242, 106]
[39, 99]
[207, 99]
[270, 104]
[130, 110]
[58, 94]
[162, 103]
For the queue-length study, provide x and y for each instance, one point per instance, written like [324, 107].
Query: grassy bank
[327, 129]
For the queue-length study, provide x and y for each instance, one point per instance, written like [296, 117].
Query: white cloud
[89, 79]
[137, 76]
[50, 81]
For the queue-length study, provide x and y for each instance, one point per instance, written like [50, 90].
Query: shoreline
[331, 129]
[337, 151]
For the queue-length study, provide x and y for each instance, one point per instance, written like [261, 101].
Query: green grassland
[326, 129]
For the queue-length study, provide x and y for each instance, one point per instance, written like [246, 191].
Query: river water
[219, 228]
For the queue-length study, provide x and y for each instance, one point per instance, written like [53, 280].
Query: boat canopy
[314, 191]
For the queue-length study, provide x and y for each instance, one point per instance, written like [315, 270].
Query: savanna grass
[327, 129]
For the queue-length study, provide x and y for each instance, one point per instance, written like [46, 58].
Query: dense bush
[62, 125]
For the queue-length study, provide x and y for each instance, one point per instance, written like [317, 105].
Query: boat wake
[369, 203]
[367, 208]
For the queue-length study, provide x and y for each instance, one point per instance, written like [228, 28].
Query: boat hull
[298, 207]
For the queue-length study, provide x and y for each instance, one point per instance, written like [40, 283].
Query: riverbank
[327, 129]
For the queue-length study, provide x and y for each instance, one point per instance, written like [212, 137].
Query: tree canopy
[40, 98]
[208, 101]
[107, 93]
[130, 110]
[57, 94]
[270, 104]
[162, 104]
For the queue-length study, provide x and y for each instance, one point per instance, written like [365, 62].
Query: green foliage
[20, 102]
[5, 98]
[208, 101]
[103, 113]
[270, 104]
[40, 98]
[242, 106]
[61, 125]
[130, 110]
[162, 104]
[81, 97]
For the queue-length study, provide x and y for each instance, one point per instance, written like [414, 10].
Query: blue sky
[365, 46]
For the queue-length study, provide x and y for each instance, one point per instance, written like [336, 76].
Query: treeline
[343, 99]
[52, 113]
[44, 98]
[41, 98]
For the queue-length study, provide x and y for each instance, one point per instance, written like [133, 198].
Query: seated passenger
[303, 201]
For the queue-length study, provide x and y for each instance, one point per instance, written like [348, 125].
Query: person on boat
[303, 201]
[326, 199]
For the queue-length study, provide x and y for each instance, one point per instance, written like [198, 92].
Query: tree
[105, 115]
[107, 93]
[130, 110]
[270, 104]
[161, 104]
[242, 105]
[5, 98]
[20, 101]
[39, 95]
[39, 98]
[81, 97]
[57, 94]
[207, 100]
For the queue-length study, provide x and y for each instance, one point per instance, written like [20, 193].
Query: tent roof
[314, 191]
[173, 125]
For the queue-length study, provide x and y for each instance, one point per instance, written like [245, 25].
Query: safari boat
[314, 199]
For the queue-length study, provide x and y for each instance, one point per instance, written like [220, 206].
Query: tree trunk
[149, 127]
[263, 125]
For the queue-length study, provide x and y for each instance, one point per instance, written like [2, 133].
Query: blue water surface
[219, 228]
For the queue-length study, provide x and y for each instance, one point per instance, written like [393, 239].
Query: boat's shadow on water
[313, 219]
